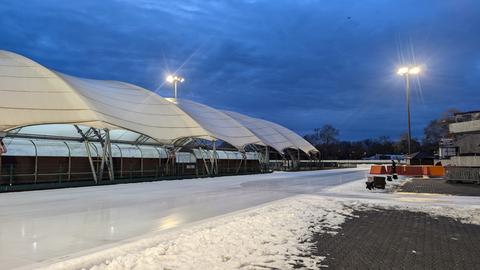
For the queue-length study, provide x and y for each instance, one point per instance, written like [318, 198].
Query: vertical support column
[267, 159]
[298, 159]
[35, 173]
[167, 163]
[162, 172]
[11, 174]
[292, 160]
[1, 168]
[111, 172]
[171, 161]
[174, 160]
[69, 172]
[121, 160]
[2, 135]
[240, 164]
[213, 160]
[102, 162]
[245, 163]
[90, 160]
[170, 166]
[141, 160]
[159, 162]
[228, 164]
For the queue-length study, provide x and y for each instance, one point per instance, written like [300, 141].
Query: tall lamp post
[175, 80]
[406, 72]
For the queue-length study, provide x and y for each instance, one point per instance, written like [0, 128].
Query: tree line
[326, 140]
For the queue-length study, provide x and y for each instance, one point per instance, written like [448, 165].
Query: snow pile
[465, 213]
[270, 236]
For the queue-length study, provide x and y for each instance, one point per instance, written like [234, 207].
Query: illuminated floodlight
[414, 70]
[409, 70]
[402, 70]
[174, 79]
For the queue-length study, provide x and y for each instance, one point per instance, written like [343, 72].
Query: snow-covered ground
[248, 222]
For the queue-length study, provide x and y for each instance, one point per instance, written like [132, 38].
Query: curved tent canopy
[274, 135]
[32, 95]
[35, 95]
[294, 138]
[220, 125]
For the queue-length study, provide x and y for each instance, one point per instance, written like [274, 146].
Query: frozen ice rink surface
[37, 226]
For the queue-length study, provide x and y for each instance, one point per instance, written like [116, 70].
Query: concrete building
[465, 164]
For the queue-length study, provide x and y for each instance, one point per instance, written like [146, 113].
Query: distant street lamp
[175, 80]
[406, 72]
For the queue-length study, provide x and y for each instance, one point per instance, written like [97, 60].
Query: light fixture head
[409, 70]
[174, 78]
[403, 70]
[414, 70]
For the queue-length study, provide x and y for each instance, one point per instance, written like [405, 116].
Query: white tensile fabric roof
[274, 135]
[36, 100]
[218, 123]
[297, 141]
[32, 94]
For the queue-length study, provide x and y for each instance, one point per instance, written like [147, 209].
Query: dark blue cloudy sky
[301, 63]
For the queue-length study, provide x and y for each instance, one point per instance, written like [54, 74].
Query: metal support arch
[89, 152]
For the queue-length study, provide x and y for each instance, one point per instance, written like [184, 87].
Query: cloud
[300, 63]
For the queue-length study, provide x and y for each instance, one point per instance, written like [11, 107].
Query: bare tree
[326, 135]
[437, 129]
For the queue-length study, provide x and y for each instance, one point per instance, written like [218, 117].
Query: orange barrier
[413, 170]
[378, 169]
[400, 169]
[410, 170]
[433, 171]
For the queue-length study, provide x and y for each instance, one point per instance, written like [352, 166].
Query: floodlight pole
[175, 82]
[174, 79]
[407, 85]
[406, 71]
